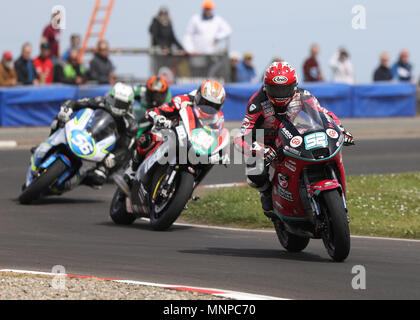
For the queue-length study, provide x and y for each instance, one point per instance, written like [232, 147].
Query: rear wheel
[42, 183]
[118, 210]
[289, 241]
[336, 235]
[164, 211]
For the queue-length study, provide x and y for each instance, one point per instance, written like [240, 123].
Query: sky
[267, 28]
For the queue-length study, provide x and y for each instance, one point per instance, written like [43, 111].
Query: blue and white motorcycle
[69, 153]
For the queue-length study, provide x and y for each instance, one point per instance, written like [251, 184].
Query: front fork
[316, 215]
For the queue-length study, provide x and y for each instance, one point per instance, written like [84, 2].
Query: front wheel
[289, 241]
[165, 211]
[42, 183]
[118, 211]
[336, 235]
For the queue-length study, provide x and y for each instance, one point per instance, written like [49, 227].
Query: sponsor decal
[269, 111]
[283, 180]
[265, 103]
[280, 79]
[289, 166]
[252, 107]
[285, 194]
[332, 133]
[296, 141]
[292, 150]
[287, 133]
[278, 205]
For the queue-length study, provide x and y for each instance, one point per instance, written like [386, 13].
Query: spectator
[205, 31]
[101, 67]
[341, 67]
[402, 69]
[44, 66]
[8, 77]
[383, 72]
[51, 35]
[162, 32]
[74, 44]
[246, 71]
[311, 69]
[25, 68]
[234, 58]
[70, 71]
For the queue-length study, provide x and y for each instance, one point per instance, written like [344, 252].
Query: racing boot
[267, 203]
[95, 178]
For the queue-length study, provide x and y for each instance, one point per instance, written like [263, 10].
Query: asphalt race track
[75, 231]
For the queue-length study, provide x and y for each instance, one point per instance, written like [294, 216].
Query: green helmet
[120, 99]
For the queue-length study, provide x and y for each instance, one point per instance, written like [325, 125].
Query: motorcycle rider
[210, 93]
[279, 97]
[151, 95]
[119, 103]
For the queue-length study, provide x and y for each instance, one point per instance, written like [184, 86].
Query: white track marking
[215, 292]
[272, 231]
[8, 144]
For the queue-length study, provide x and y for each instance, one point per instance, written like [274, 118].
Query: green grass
[379, 205]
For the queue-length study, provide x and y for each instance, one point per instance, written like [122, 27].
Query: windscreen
[101, 125]
[208, 117]
[306, 118]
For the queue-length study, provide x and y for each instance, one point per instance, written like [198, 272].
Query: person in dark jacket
[402, 70]
[70, 71]
[101, 67]
[311, 69]
[162, 33]
[25, 68]
[383, 72]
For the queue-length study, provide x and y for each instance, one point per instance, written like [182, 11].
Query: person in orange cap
[205, 30]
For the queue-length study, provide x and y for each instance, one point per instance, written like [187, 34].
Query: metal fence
[181, 68]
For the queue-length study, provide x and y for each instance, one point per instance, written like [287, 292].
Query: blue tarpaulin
[32, 106]
[36, 106]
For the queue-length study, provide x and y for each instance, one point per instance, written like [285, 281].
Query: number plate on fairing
[316, 140]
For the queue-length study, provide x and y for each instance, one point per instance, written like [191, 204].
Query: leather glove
[348, 138]
[162, 122]
[110, 161]
[269, 155]
[65, 112]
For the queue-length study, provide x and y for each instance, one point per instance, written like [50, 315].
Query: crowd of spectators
[50, 66]
[205, 31]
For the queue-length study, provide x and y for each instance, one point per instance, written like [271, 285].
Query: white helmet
[120, 99]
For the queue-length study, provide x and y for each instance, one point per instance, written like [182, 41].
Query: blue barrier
[384, 100]
[36, 106]
[32, 106]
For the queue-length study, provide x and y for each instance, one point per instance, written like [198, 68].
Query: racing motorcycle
[70, 152]
[309, 183]
[165, 180]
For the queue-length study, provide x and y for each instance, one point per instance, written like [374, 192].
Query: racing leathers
[127, 130]
[140, 110]
[261, 114]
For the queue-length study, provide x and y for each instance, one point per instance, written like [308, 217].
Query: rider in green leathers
[151, 95]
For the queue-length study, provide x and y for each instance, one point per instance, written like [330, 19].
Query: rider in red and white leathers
[210, 96]
[279, 97]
